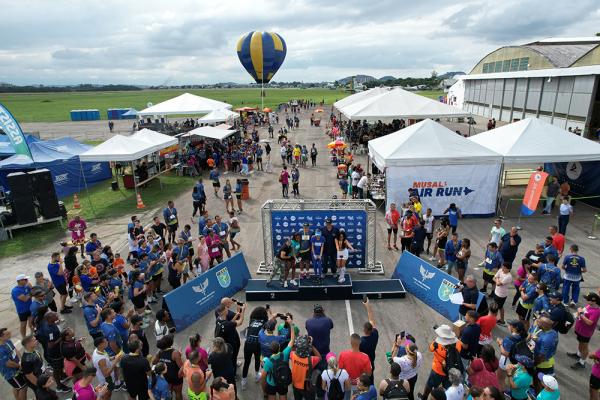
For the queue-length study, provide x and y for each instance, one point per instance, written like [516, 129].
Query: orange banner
[533, 192]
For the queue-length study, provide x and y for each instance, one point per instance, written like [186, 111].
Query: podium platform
[326, 289]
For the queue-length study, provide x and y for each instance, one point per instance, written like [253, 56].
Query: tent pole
[159, 181]
[87, 190]
[499, 196]
[134, 182]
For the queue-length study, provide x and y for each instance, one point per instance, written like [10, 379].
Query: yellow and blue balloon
[261, 53]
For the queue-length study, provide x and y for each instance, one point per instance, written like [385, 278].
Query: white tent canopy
[456, 94]
[428, 143]
[218, 116]
[208, 132]
[399, 103]
[346, 101]
[158, 140]
[532, 140]
[118, 148]
[185, 104]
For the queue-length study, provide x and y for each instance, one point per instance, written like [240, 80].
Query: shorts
[62, 289]
[56, 363]
[429, 236]
[594, 382]
[342, 254]
[274, 390]
[24, 316]
[499, 301]
[18, 381]
[157, 277]
[523, 312]
[305, 256]
[582, 339]
[442, 243]
[238, 196]
[110, 383]
[141, 395]
[487, 277]
[436, 380]
[173, 228]
[217, 184]
[395, 230]
[232, 235]
[139, 301]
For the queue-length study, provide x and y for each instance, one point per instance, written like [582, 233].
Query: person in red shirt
[558, 239]
[392, 216]
[408, 223]
[354, 361]
[487, 324]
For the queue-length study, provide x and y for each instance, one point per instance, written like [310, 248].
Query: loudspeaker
[43, 190]
[23, 208]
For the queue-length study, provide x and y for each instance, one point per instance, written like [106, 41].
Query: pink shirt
[583, 329]
[596, 366]
[214, 250]
[84, 393]
[77, 229]
[203, 356]
[521, 276]
[284, 177]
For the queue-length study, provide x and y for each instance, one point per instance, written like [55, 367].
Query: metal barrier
[592, 235]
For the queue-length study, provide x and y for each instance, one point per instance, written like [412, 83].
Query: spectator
[335, 381]
[445, 343]
[366, 391]
[585, 326]
[394, 387]
[136, 369]
[456, 391]
[303, 359]
[502, 279]
[272, 384]
[470, 338]
[355, 361]
[574, 266]
[368, 342]
[258, 317]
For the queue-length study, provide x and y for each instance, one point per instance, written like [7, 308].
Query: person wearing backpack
[558, 313]
[394, 387]
[335, 381]
[446, 355]
[517, 334]
[258, 317]
[304, 360]
[277, 375]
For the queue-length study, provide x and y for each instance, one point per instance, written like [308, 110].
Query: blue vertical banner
[429, 284]
[11, 128]
[353, 222]
[190, 302]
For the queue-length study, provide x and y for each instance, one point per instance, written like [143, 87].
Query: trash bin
[114, 185]
[245, 189]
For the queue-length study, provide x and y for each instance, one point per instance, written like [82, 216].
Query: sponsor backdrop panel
[472, 187]
[429, 284]
[583, 177]
[354, 223]
[190, 302]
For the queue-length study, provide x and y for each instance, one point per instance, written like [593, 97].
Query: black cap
[591, 296]
[555, 295]
[270, 325]
[318, 308]
[518, 325]
[136, 319]
[328, 221]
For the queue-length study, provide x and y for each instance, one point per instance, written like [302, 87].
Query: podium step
[326, 289]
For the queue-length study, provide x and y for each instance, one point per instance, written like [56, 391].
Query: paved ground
[392, 315]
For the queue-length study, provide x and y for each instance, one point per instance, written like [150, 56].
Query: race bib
[222, 233]
[305, 237]
[488, 261]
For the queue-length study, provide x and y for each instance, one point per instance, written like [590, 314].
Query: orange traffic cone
[76, 204]
[140, 203]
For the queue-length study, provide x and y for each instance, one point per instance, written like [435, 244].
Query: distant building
[553, 79]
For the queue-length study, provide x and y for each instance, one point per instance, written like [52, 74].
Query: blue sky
[190, 42]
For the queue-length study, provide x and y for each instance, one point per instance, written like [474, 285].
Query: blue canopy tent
[61, 158]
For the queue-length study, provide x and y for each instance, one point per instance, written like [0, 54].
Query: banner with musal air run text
[201, 295]
[473, 188]
[429, 284]
[533, 192]
[11, 128]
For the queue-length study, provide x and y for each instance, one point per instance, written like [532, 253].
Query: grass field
[55, 107]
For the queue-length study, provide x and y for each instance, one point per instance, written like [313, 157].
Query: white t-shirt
[566, 209]
[506, 279]
[283, 152]
[96, 358]
[497, 234]
[160, 330]
[406, 364]
[455, 392]
[341, 375]
[362, 182]
[429, 223]
[355, 178]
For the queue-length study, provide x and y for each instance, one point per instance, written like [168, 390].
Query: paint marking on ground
[349, 317]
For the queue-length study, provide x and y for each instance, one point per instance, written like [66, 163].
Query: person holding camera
[227, 329]
[368, 342]
[258, 317]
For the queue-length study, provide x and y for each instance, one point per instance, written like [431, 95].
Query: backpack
[335, 391]
[567, 323]
[453, 359]
[521, 348]
[220, 328]
[395, 390]
[311, 381]
[281, 373]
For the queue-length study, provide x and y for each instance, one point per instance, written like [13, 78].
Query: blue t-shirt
[111, 334]
[201, 225]
[319, 328]
[161, 389]
[34, 307]
[317, 242]
[451, 250]
[119, 323]
[58, 280]
[508, 252]
[91, 247]
[200, 190]
[573, 264]
[530, 290]
[90, 313]
[214, 175]
[493, 260]
[509, 341]
[546, 344]
[220, 229]
[8, 353]
[21, 306]
[550, 250]
[86, 282]
[540, 304]
[265, 342]
[370, 394]
[268, 364]
[453, 217]
[114, 283]
[180, 253]
[470, 336]
[550, 275]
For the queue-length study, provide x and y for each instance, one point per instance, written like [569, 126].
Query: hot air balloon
[261, 54]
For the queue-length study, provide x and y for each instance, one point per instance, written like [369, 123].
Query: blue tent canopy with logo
[61, 158]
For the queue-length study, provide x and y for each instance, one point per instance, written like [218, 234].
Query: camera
[282, 316]
[267, 306]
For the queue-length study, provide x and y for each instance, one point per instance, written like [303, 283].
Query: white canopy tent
[186, 103]
[158, 140]
[208, 132]
[346, 101]
[118, 148]
[456, 94]
[218, 116]
[399, 103]
[532, 140]
[445, 167]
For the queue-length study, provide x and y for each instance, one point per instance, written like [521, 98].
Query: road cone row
[76, 204]
[140, 203]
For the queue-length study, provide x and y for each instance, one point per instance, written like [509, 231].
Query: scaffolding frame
[372, 266]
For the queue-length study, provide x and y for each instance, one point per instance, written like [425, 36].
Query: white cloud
[185, 41]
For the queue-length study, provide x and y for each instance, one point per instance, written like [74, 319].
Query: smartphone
[402, 334]
[267, 306]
